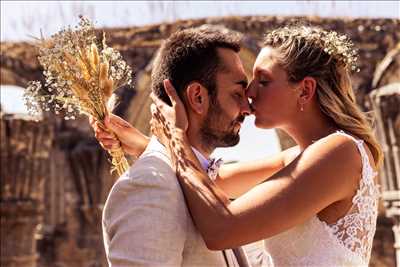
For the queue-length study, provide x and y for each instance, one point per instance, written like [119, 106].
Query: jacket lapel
[235, 257]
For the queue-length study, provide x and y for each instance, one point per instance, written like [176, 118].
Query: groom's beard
[218, 129]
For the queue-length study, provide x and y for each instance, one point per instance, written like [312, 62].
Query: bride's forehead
[266, 60]
[267, 55]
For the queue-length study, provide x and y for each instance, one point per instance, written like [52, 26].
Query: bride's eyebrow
[263, 72]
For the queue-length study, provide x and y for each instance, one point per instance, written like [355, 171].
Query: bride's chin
[262, 124]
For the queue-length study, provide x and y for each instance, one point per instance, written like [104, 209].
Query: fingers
[118, 121]
[103, 135]
[91, 120]
[108, 133]
[109, 144]
[171, 92]
[157, 101]
[173, 95]
[112, 123]
[106, 140]
[158, 120]
[175, 115]
[158, 108]
[155, 112]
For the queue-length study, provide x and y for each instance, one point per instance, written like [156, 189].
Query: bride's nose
[251, 91]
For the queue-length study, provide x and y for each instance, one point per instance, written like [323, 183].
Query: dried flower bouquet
[81, 74]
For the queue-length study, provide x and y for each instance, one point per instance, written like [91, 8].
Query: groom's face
[229, 107]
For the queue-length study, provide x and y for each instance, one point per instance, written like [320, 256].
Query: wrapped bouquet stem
[81, 74]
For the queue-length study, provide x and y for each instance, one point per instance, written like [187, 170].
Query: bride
[317, 207]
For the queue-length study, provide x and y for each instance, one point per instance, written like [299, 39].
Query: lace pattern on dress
[356, 229]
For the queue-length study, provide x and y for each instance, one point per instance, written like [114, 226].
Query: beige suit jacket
[146, 221]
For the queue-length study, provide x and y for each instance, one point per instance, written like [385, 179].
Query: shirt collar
[203, 160]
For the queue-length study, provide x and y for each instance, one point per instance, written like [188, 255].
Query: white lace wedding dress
[347, 242]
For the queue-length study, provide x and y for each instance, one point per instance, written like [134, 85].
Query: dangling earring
[301, 107]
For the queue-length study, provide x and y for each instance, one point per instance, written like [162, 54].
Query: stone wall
[25, 148]
[79, 179]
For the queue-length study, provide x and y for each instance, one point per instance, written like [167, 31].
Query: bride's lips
[252, 109]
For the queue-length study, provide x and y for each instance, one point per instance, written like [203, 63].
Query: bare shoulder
[337, 158]
[340, 148]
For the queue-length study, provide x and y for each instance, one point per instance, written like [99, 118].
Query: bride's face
[274, 98]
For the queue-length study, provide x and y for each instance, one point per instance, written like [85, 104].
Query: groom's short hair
[191, 55]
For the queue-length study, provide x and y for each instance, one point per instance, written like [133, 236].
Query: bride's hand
[169, 118]
[169, 124]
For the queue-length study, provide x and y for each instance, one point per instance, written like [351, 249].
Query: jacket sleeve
[145, 218]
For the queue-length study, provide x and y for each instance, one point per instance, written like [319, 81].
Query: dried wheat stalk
[81, 76]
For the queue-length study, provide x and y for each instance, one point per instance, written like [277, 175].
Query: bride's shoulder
[342, 148]
[337, 156]
[330, 169]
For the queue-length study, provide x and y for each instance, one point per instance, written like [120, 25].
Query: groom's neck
[196, 142]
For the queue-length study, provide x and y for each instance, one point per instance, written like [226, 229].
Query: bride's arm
[235, 179]
[326, 172]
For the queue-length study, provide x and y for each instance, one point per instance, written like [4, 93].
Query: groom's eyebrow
[243, 83]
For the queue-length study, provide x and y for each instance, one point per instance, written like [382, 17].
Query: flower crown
[339, 47]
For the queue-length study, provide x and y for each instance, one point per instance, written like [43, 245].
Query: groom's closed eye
[243, 83]
[239, 96]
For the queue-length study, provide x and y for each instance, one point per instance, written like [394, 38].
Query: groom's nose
[245, 107]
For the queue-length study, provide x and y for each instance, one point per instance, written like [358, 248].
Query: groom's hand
[133, 142]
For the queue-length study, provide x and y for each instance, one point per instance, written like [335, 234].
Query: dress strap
[356, 229]
[367, 168]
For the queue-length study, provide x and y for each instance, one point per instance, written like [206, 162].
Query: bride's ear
[197, 98]
[307, 90]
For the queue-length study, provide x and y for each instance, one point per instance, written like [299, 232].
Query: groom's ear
[197, 98]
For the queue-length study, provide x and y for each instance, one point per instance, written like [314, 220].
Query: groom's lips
[238, 124]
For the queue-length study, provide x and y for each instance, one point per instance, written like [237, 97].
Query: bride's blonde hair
[327, 57]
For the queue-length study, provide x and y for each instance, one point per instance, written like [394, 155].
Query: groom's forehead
[235, 73]
[230, 62]
[233, 80]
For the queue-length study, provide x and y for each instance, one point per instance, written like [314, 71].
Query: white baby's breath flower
[77, 79]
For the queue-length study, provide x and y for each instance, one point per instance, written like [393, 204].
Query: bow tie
[213, 168]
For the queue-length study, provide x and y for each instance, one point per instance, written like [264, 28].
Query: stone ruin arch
[385, 102]
[80, 194]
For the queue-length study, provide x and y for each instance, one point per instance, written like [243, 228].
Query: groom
[145, 218]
